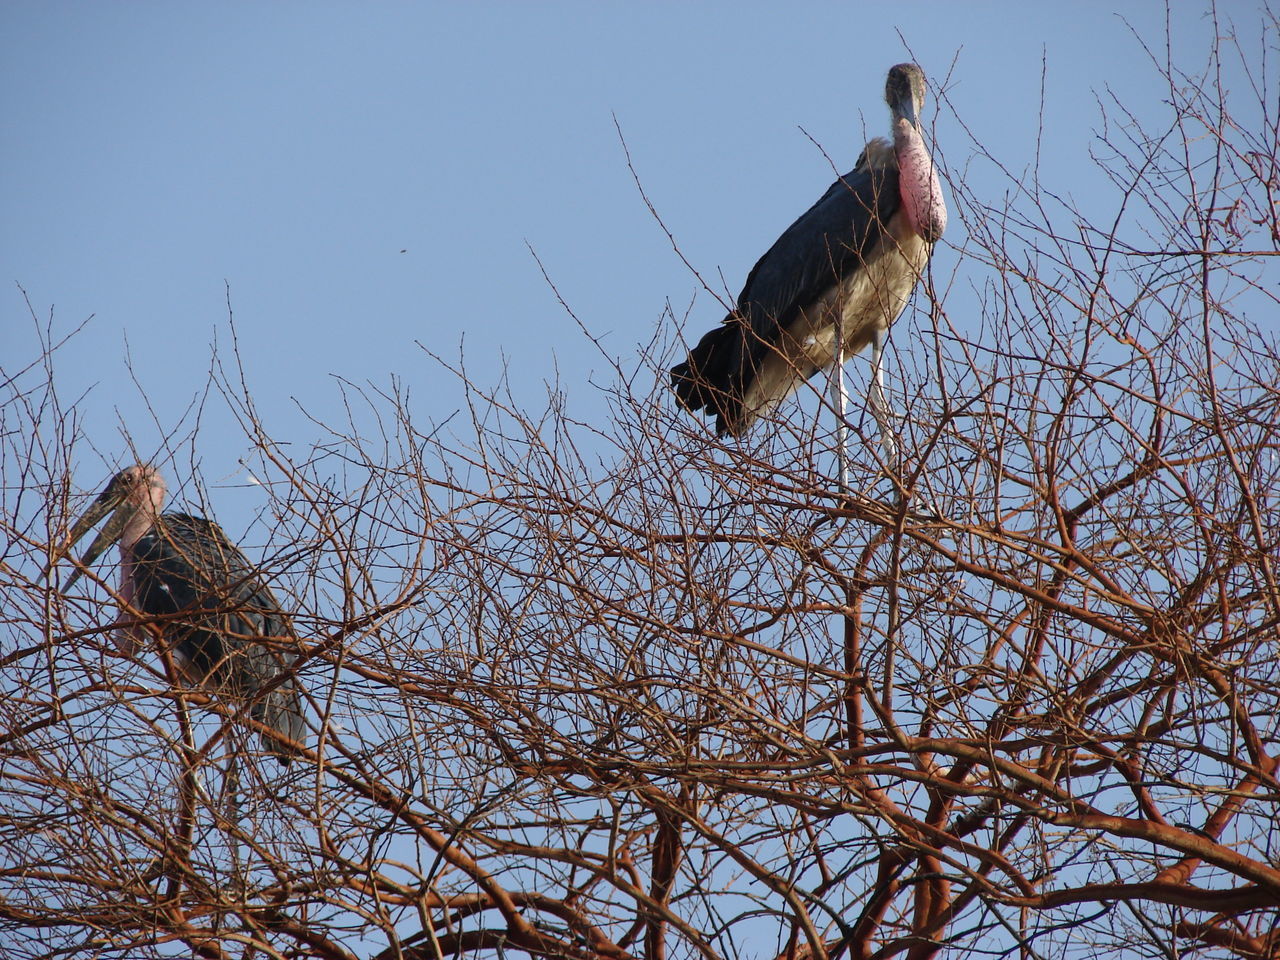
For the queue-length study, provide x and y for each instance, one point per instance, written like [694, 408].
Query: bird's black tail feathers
[281, 711]
[710, 379]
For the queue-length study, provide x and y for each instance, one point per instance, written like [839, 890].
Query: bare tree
[613, 689]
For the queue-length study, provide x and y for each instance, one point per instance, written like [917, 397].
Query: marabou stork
[181, 574]
[833, 283]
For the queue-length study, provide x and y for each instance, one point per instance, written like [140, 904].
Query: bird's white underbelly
[868, 299]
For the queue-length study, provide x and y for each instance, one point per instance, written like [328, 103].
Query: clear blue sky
[365, 176]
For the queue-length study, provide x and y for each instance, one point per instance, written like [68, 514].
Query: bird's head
[136, 492]
[904, 92]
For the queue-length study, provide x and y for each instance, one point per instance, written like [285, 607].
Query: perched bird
[180, 576]
[847, 265]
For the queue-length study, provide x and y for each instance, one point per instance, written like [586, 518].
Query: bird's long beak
[109, 500]
[904, 107]
[907, 110]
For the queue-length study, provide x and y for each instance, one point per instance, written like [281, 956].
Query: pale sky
[367, 176]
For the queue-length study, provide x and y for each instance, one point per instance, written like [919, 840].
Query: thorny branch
[613, 689]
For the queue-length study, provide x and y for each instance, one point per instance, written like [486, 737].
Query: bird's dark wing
[224, 621]
[828, 240]
[831, 239]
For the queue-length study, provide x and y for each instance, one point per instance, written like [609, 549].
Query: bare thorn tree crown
[607, 687]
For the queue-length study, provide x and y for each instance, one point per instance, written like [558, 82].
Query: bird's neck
[918, 183]
[135, 529]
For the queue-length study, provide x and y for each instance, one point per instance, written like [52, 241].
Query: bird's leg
[884, 419]
[232, 813]
[840, 397]
[879, 404]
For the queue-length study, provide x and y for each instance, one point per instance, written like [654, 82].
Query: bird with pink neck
[184, 585]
